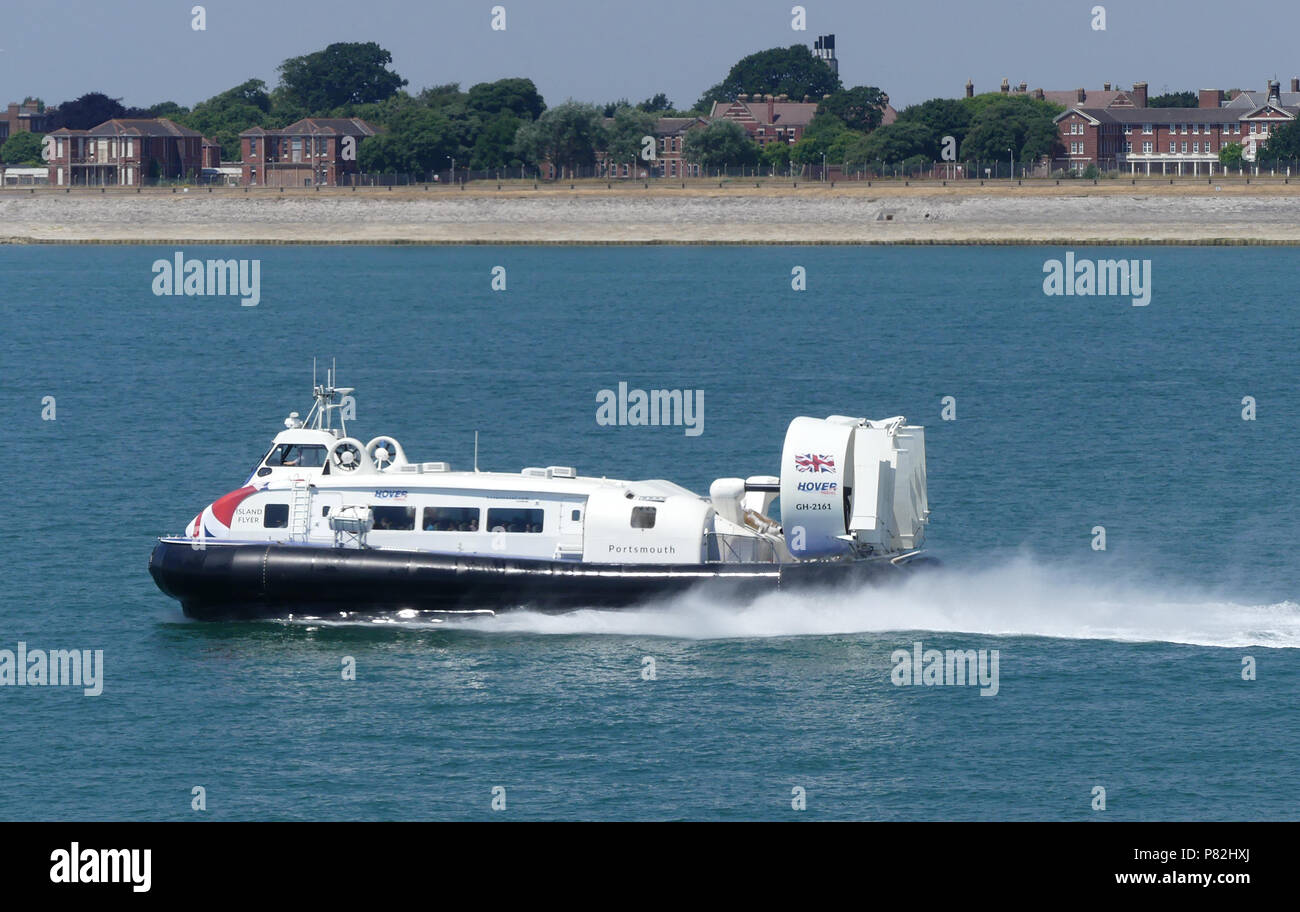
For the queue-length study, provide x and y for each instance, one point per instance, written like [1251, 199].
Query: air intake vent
[436, 466]
[534, 472]
[561, 472]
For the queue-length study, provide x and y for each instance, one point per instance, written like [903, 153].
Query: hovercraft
[329, 525]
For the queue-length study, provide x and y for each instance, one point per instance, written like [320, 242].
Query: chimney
[1210, 98]
[771, 109]
[1080, 96]
[1006, 86]
[1105, 87]
[1295, 84]
[1038, 93]
[970, 89]
[1139, 94]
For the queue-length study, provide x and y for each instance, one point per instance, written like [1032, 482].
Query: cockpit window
[297, 455]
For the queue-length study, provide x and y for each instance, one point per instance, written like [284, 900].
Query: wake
[1018, 598]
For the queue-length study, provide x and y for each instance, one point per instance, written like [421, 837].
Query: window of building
[1196, 147]
[252, 145]
[1128, 148]
[1146, 128]
[276, 516]
[1173, 147]
[643, 517]
[393, 519]
[1146, 148]
[513, 519]
[451, 519]
[1184, 147]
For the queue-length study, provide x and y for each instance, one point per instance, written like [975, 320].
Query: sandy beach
[1111, 212]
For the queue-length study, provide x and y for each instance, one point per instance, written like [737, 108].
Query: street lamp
[1013, 163]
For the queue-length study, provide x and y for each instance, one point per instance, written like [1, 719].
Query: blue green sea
[1163, 669]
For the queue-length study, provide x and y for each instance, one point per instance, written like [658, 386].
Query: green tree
[627, 134]
[722, 144]
[1283, 143]
[494, 143]
[517, 96]
[824, 132]
[792, 71]
[860, 108]
[22, 149]
[942, 117]
[566, 135]
[343, 73]
[656, 104]
[224, 116]
[1018, 123]
[1230, 155]
[90, 110]
[894, 143]
[1176, 100]
[776, 156]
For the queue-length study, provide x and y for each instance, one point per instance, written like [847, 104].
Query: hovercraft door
[572, 514]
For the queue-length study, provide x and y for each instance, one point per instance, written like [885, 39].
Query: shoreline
[1110, 213]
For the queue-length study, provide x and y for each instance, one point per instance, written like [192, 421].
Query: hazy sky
[144, 51]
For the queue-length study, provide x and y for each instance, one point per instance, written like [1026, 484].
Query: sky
[145, 51]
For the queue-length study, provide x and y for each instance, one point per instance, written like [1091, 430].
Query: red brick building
[1127, 135]
[125, 153]
[315, 151]
[27, 118]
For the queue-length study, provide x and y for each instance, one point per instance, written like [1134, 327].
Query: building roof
[665, 126]
[784, 113]
[319, 126]
[158, 126]
[1250, 100]
[1160, 115]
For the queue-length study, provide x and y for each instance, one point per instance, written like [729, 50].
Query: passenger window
[643, 517]
[515, 520]
[276, 516]
[451, 519]
[393, 519]
[576, 515]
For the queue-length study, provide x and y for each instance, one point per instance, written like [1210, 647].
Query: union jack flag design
[811, 462]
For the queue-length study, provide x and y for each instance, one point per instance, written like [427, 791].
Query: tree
[90, 110]
[494, 143]
[1175, 100]
[776, 156]
[1004, 124]
[517, 96]
[168, 109]
[892, 144]
[22, 149]
[656, 103]
[567, 136]
[942, 117]
[1230, 156]
[860, 108]
[343, 73]
[224, 116]
[723, 143]
[792, 71]
[822, 134]
[1283, 143]
[626, 135]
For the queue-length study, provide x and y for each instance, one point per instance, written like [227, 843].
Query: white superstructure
[848, 488]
